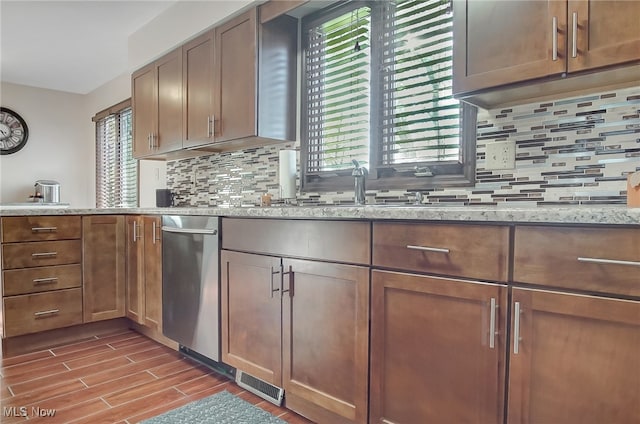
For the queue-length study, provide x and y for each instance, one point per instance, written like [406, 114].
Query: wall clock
[13, 131]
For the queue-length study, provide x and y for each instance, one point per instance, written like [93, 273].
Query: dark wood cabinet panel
[251, 315]
[32, 313]
[326, 339]
[103, 247]
[513, 52]
[153, 272]
[33, 280]
[605, 260]
[169, 110]
[236, 77]
[500, 42]
[337, 241]
[573, 359]
[198, 91]
[135, 269]
[41, 253]
[473, 251]
[605, 32]
[144, 105]
[40, 228]
[433, 357]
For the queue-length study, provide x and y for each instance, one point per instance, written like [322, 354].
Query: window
[377, 89]
[116, 170]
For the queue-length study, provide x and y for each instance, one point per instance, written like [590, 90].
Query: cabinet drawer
[474, 251]
[41, 253]
[603, 260]
[31, 313]
[40, 228]
[34, 280]
[338, 241]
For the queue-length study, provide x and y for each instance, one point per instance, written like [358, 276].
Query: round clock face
[13, 131]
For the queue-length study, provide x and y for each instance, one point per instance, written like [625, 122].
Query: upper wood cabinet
[157, 106]
[501, 45]
[198, 91]
[232, 87]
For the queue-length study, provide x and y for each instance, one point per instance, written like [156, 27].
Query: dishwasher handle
[211, 231]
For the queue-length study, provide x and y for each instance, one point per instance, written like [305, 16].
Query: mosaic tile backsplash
[574, 151]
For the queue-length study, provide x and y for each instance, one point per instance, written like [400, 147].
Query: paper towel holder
[287, 175]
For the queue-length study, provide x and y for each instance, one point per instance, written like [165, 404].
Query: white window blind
[338, 69]
[420, 116]
[377, 88]
[116, 170]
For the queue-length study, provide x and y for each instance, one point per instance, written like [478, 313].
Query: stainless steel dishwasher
[190, 283]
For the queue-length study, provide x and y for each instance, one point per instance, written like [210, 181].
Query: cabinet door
[236, 76]
[434, 356]
[169, 110]
[501, 42]
[144, 104]
[574, 359]
[152, 272]
[103, 246]
[326, 340]
[198, 95]
[251, 313]
[135, 272]
[603, 33]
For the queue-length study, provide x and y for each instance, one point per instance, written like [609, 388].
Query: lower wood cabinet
[574, 358]
[437, 349]
[144, 270]
[103, 244]
[301, 325]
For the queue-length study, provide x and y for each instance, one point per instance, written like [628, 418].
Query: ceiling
[73, 46]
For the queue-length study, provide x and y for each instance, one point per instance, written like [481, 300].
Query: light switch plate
[500, 155]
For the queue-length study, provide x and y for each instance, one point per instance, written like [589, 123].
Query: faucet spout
[360, 174]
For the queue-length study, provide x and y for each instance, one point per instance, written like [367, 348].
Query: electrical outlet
[500, 155]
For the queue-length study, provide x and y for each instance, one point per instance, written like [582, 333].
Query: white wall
[61, 143]
[59, 146]
[178, 23]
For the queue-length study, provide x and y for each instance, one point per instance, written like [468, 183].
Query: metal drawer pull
[49, 280]
[428, 249]
[271, 289]
[492, 323]
[574, 41]
[608, 261]
[43, 254]
[554, 38]
[37, 229]
[189, 230]
[42, 314]
[516, 328]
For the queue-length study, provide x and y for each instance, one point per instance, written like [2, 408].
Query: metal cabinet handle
[554, 38]
[213, 126]
[271, 289]
[38, 229]
[290, 288]
[43, 254]
[574, 36]
[135, 231]
[42, 314]
[149, 140]
[516, 328]
[49, 280]
[493, 308]
[608, 261]
[428, 249]
[153, 230]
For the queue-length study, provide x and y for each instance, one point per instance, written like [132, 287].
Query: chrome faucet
[360, 174]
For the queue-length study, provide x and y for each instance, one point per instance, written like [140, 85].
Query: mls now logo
[22, 411]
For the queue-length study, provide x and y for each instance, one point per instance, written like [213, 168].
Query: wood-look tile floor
[117, 378]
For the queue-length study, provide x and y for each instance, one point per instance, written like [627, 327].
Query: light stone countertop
[610, 214]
